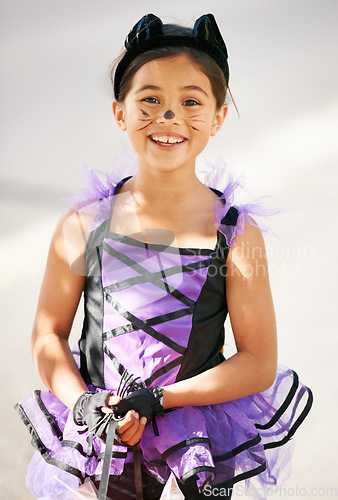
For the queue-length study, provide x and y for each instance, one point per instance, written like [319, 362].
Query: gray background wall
[56, 114]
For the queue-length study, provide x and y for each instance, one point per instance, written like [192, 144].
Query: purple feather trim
[217, 175]
[95, 195]
[93, 189]
[247, 213]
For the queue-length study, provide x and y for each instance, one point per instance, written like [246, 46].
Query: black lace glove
[146, 402]
[87, 411]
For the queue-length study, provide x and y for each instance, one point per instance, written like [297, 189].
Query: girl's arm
[253, 368]
[58, 301]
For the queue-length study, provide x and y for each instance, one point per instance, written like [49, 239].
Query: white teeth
[167, 140]
[172, 140]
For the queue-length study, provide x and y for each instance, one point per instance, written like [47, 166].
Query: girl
[161, 259]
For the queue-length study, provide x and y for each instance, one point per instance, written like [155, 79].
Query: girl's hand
[89, 410]
[131, 427]
[147, 402]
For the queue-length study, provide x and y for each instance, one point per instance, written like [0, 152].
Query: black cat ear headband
[147, 34]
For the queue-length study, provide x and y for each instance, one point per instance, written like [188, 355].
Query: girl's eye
[190, 102]
[151, 100]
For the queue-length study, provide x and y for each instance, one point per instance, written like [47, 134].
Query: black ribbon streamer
[111, 432]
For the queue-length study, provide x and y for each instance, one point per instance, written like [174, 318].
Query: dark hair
[207, 64]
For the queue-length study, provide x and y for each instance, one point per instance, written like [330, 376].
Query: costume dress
[157, 311]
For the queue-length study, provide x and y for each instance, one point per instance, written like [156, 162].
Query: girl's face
[169, 113]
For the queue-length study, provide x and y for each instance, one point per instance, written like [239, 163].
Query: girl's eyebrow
[194, 87]
[155, 87]
[147, 87]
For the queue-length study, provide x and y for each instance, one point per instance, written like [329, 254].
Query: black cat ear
[206, 28]
[147, 27]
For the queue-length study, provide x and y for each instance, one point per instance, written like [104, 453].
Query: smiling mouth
[166, 140]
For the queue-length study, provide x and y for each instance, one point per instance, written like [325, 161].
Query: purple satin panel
[112, 319]
[145, 355]
[191, 288]
[137, 349]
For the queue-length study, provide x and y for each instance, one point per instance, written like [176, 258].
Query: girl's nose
[169, 115]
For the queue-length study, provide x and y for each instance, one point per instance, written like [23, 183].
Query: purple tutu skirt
[217, 445]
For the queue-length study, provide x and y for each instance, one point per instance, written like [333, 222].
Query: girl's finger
[113, 400]
[138, 434]
[105, 409]
[127, 421]
[129, 433]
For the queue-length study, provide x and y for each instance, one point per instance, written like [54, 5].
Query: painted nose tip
[169, 115]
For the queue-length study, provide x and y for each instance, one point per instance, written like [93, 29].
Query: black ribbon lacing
[128, 383]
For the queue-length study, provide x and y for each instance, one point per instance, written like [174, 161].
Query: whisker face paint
[145, 126]
[145, 119]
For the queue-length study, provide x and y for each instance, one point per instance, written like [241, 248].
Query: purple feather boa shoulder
[97, 188]
[217, 175]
